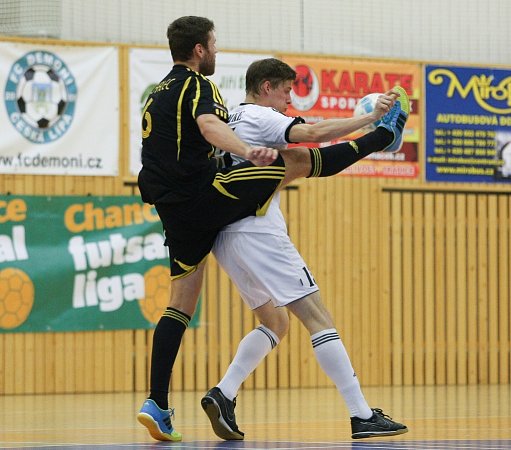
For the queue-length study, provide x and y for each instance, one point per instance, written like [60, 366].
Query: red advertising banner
[328, 87]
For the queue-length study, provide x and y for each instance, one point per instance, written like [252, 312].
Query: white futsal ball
[365, 106]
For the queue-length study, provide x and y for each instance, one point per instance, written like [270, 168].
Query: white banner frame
[60, 113]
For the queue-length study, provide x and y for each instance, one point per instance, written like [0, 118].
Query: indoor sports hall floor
[466, 417]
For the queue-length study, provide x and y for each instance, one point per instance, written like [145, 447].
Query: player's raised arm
[330, 129]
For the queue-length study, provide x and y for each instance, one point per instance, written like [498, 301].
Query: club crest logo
[40, 96]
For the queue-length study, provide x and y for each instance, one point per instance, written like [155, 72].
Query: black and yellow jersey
[176, 159]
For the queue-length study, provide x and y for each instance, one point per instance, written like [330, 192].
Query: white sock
[335, 362]
[251, 351]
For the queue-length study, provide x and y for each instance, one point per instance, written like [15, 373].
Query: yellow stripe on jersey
[255, 176]
[216, 93]
[261, 211]
[217, 184]
[248, 173]
[221, 113]
[196, 99]
[252, 170]
[179, 114]
[176, 315]
[218, 96]
[187, 269]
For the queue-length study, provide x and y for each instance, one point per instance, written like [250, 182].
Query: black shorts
[236, 192]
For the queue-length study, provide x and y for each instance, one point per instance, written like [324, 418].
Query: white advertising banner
[230, 75]
[149, 66]
[61, 110]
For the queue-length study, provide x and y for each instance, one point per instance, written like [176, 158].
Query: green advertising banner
[81, 263]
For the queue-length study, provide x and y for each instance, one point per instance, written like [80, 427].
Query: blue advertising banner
[468, 124]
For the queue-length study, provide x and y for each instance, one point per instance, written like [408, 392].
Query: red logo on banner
[305, 91]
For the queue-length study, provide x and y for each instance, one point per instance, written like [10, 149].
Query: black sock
[327, 161]
[166, 342]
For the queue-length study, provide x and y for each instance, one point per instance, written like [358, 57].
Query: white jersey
[256, 252]
[261, 126]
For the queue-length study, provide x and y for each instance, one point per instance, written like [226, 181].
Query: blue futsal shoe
[157, 421]
[395, 120]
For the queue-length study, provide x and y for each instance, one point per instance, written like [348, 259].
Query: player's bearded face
[207, 63]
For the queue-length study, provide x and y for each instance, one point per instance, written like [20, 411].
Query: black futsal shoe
[220, 411]
[378, 424]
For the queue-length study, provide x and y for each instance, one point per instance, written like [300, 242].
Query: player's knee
[298, 162]
[283, 327]
[311, 311]
[278, 323]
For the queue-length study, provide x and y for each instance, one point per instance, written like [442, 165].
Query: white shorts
[264, 267]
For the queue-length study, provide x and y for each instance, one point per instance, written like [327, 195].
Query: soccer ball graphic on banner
[41, 97]
[366, 105]
[157, 285]
[16, 297]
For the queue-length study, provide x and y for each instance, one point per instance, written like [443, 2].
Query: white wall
[421, 30]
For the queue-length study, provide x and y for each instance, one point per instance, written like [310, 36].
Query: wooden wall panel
[460, 263]
[416, 280]
[504, 283]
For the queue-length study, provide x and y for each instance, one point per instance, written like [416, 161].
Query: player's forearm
[221, 136]
[329, 129]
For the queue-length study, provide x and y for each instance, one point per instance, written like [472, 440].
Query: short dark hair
[184, 33]
[269, 69]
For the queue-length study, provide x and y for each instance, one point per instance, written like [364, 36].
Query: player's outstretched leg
[220, 411]
[378, 425]
[157, 421]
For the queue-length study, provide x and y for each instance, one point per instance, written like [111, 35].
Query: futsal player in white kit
[263, 263]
